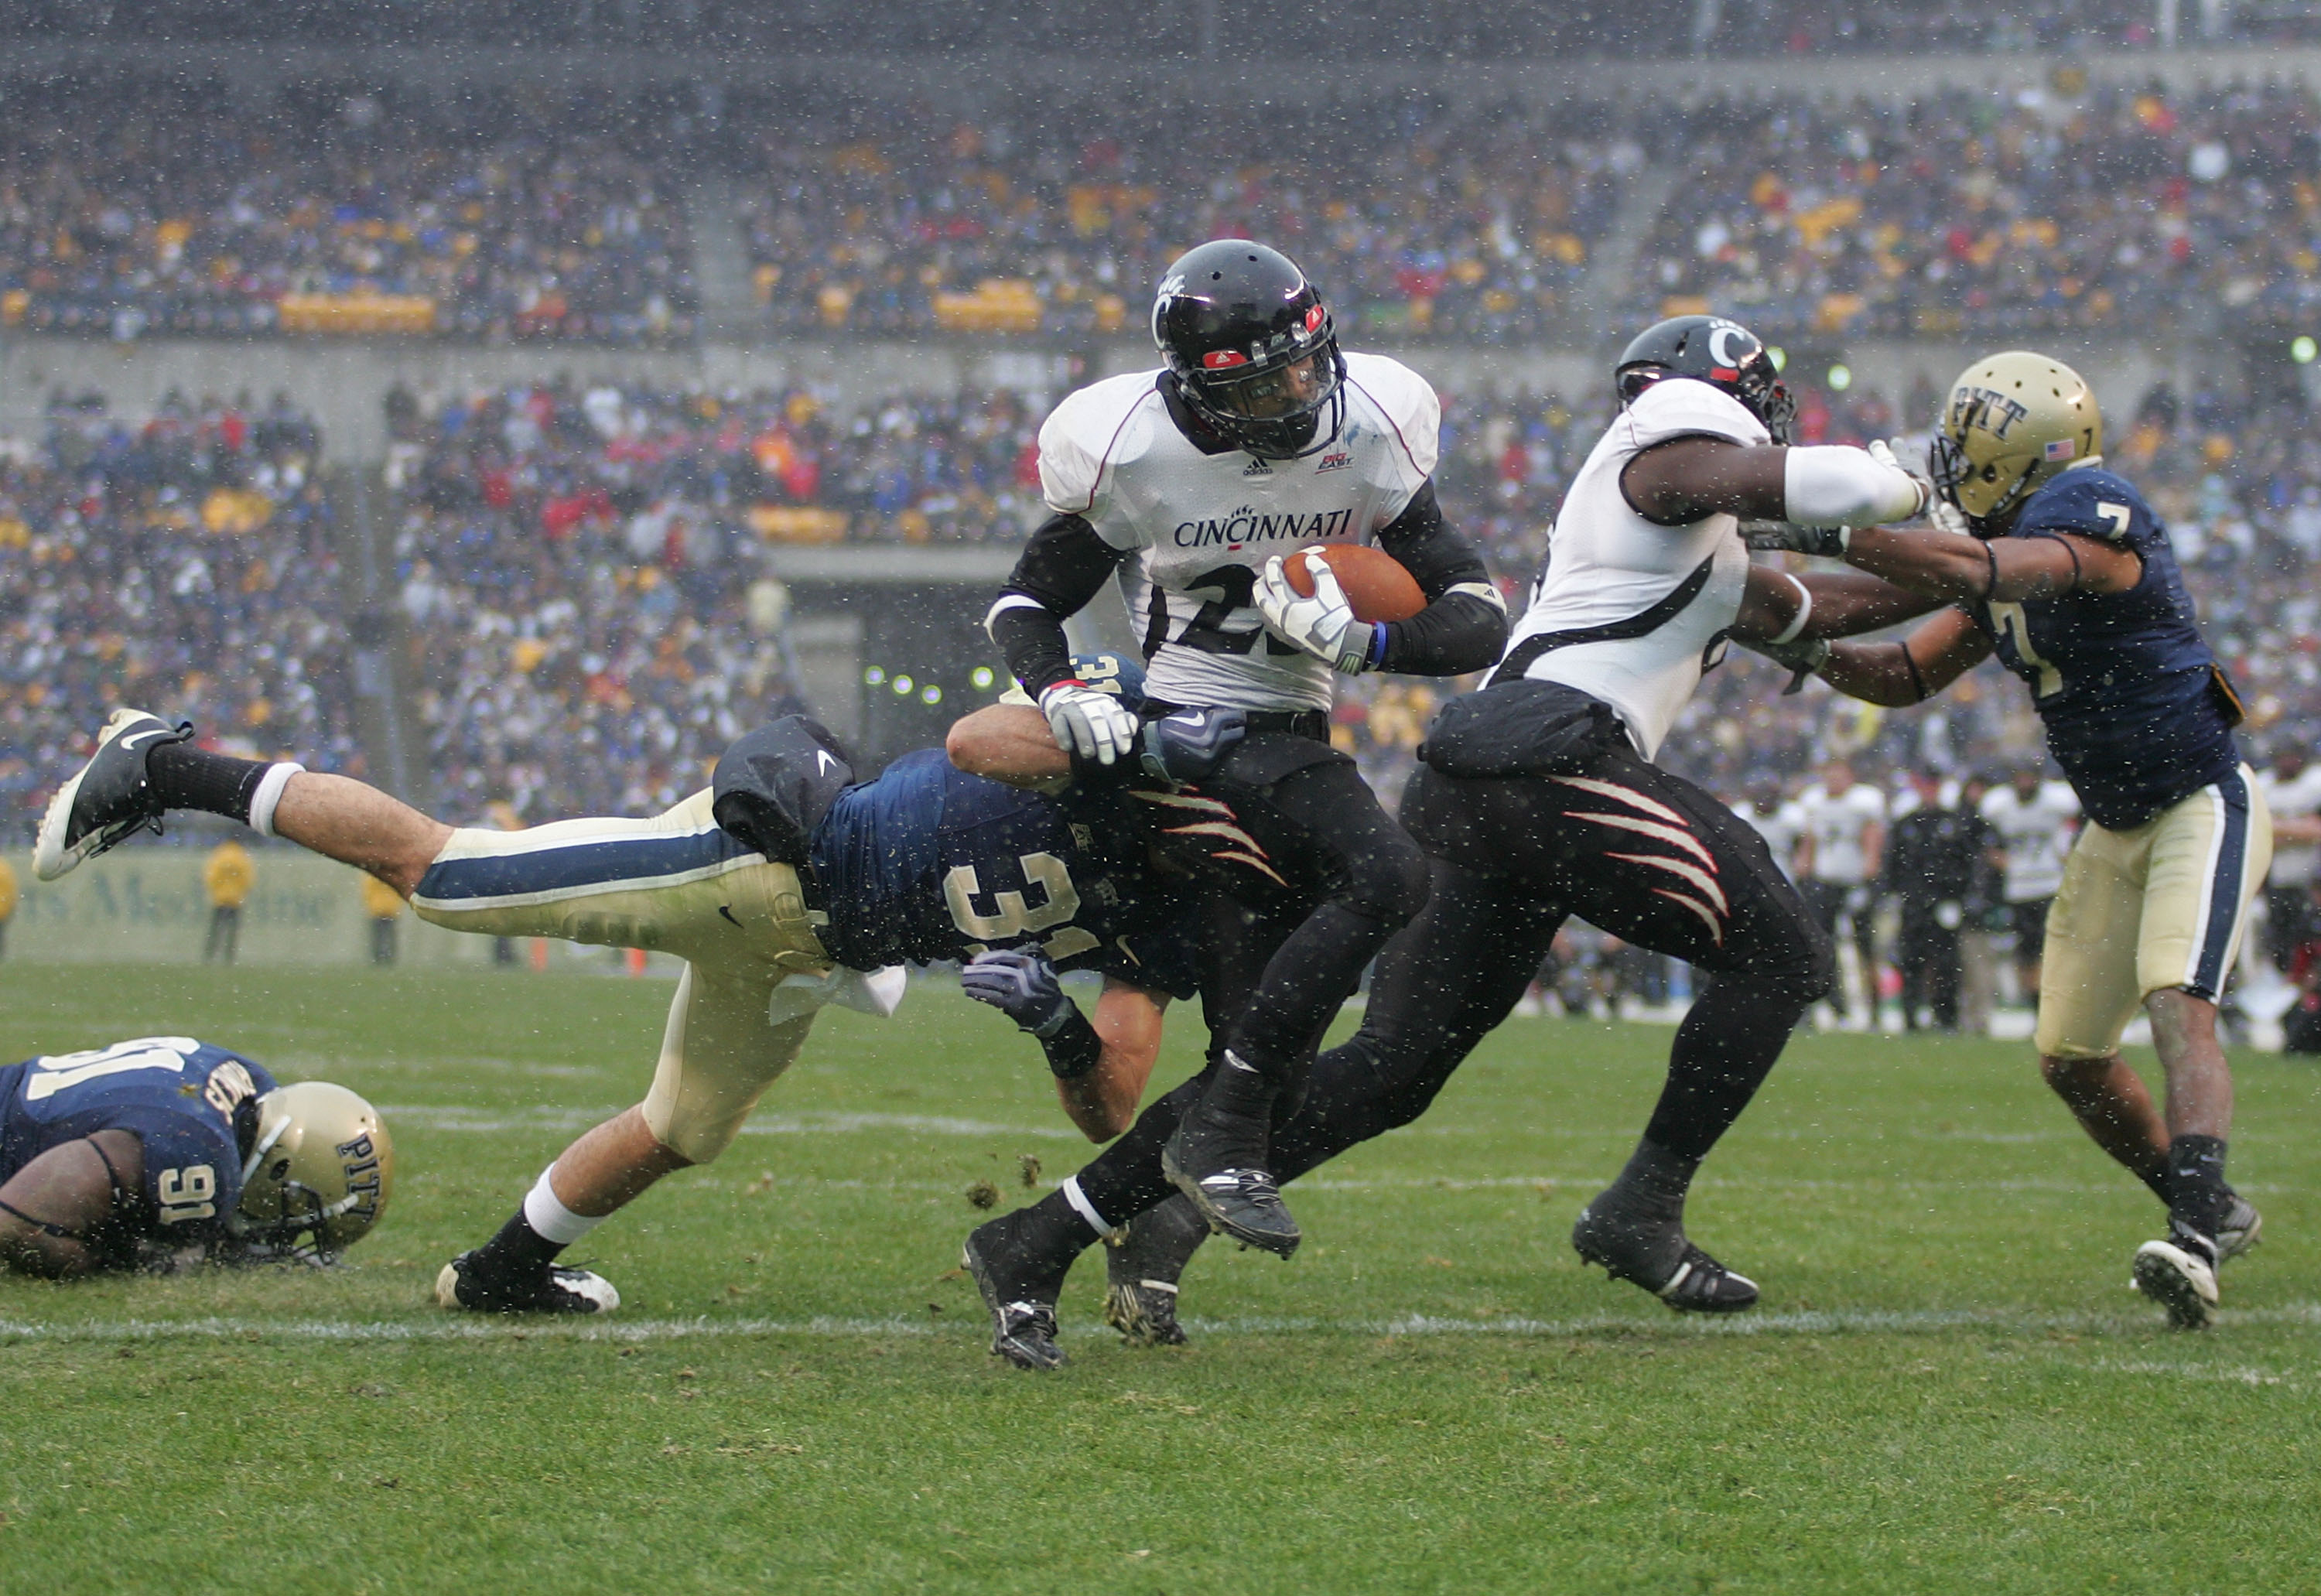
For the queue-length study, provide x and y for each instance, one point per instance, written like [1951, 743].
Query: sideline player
[1538, 800]
[2035, 820]
[2064, 571]
[135, 1155]
[786, 886]
[1843, 850]
[1257, 437]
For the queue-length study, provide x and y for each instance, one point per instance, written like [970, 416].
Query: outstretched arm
[1009, 742]
[1912, 670]
[1687, 480]
[1779, 608]
[1950, 566]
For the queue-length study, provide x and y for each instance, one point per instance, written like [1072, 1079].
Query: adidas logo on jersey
[1258, 468]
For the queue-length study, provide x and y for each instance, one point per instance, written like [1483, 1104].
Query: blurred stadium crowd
[147, 207]
[580, 571]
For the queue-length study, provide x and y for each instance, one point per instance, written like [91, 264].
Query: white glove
[1323, 625]
[1089, 721]
[1883, 454]
[1947, 517]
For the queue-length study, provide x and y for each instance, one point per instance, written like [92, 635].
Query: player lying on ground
[164, 1150]
[813, 891]
[1539, 801]
[2060, 568]
[1256, 437]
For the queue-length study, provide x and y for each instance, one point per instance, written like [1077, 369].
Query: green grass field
[1948, 1385]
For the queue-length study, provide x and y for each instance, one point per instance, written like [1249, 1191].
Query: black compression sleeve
[1064, 566]
[1456, 633]
[1075, 1048]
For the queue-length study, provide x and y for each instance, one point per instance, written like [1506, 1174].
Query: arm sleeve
[1831, 485]
[1059, 570]
[1464, 626]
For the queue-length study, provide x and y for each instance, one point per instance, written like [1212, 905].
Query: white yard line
[1822, 1322]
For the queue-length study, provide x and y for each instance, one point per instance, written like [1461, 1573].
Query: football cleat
[2178, 1274]
[2238, 1232]
[108, 798]
[1021, 1299]
[556, 1290]
[1142, 1264]
[1637, 1252]
[1218, 1162]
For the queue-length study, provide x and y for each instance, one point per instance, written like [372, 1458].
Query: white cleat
[2177, 1278]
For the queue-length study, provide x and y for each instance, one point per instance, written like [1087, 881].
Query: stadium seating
[186, 562]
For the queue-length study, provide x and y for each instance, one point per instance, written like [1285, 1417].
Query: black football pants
[1639, 852]
[1273, 980]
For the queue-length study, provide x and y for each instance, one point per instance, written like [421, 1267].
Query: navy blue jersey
[928, 862]
[2137, 712]
[176, 1095]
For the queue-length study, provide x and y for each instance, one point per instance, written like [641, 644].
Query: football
[1375, 582]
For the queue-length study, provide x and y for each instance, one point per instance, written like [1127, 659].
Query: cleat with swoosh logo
[108, 798]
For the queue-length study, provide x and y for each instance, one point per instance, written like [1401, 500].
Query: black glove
[1021, 984]
[1829, 542]
[1186, 746]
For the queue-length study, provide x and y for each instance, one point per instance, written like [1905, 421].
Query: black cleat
[1142, 1264]
[1639, 1251]
[1020, 1294]
[555, 1289]
[1217, 1160]
[106, 799]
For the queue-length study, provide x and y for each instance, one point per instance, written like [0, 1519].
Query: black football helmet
[1252, 347]
[1724, 354]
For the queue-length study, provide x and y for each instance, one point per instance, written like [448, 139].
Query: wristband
[1073, 1047]
[1796, 629]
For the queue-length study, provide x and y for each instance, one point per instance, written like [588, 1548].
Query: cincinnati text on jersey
[1246, 526]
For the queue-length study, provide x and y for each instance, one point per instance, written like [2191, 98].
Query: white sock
[1084, 1207]
[269, 794]
[549, 1219]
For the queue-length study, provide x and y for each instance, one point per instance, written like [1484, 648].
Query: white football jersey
[2299, 799]
[1780, 829]
[2036, 835]
[1839, 825]
[1203, 526]
[1639, 610]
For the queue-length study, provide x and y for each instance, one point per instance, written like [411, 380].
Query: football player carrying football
[1256, 438]
[1539, 800]
[146, 1150]
[785, 886]
[2060, 568]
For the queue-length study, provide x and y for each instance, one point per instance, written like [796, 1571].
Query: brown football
[1375, 582]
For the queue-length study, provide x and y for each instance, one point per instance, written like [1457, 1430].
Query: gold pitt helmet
[319, 1173]
[2012, 422]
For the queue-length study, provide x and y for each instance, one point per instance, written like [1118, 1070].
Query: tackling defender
[1256, 435]
[1538, 800]
[2060, 568]
[785, 886]
[131, 1155]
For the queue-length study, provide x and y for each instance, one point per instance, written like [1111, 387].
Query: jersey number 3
[1014, 916]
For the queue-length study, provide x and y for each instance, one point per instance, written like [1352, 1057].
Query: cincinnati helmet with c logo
[1722, 353]
[2012, 422]
[1252, 347]
[319, 1173]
